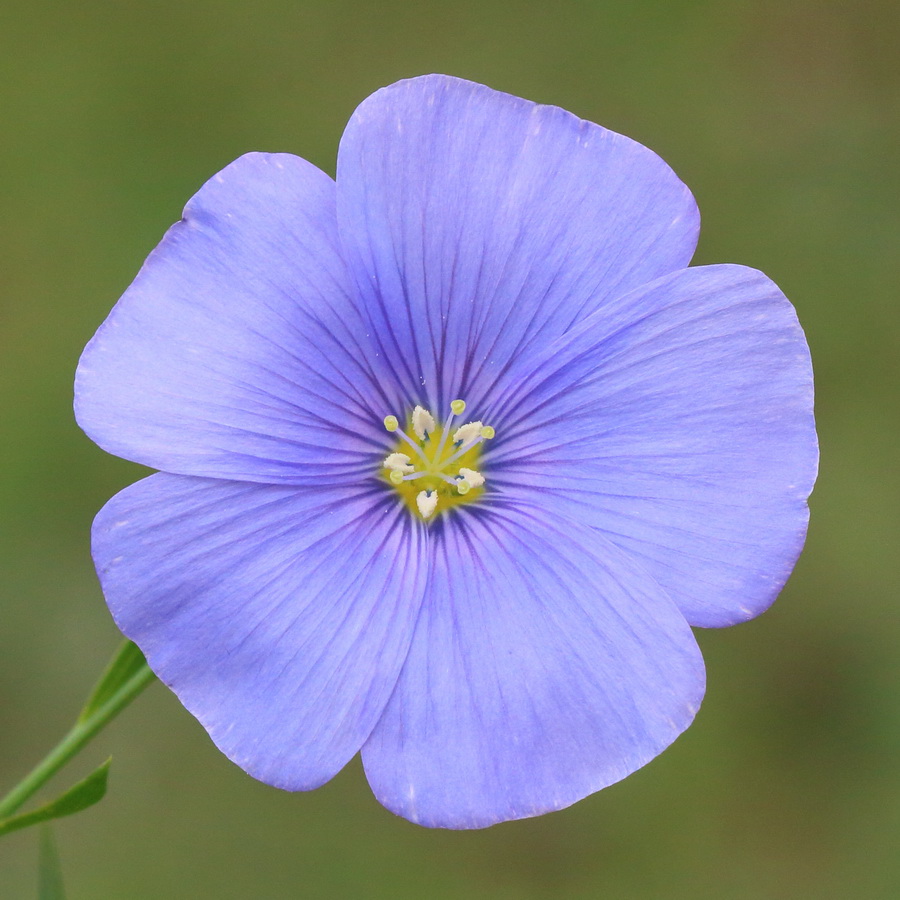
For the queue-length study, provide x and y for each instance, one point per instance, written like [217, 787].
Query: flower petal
[679, 422]
[480, 226]
[280, 616]
[236, 351]
[544, 667]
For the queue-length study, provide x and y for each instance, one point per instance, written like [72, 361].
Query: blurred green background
[784, 118]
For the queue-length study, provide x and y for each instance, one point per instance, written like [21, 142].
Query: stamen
[457, 408]
[426, 501]
[473, 478]
[400, 462]
[391, 423]
[467, 432]
[422, 422]
[463, 487]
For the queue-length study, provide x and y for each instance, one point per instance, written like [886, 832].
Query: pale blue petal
[280, 616]
[678, 420]
[545, 666]
[480, 226]
[238, 351]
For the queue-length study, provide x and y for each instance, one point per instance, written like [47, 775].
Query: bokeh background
[784, 118]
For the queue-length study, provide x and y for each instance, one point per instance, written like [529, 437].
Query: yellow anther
[391, 423]
[396, 476]
[463, 487]
[487, 432]
[458, 407]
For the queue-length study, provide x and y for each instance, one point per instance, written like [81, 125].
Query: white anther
[466, 433]
[475, 479]
[399, 462]
[427, 502]
[422, 422]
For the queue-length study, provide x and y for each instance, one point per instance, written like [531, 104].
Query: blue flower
[453, 450]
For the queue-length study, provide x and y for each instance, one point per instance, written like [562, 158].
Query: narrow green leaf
[124, 665]
[50, 879]
[82, 795]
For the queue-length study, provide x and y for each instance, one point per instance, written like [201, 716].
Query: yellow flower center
[434, 467]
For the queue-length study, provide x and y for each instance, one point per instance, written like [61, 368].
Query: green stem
[83, 730]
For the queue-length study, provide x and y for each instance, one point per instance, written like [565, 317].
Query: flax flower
[454, 450]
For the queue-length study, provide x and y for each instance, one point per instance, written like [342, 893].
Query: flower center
[434, 466]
